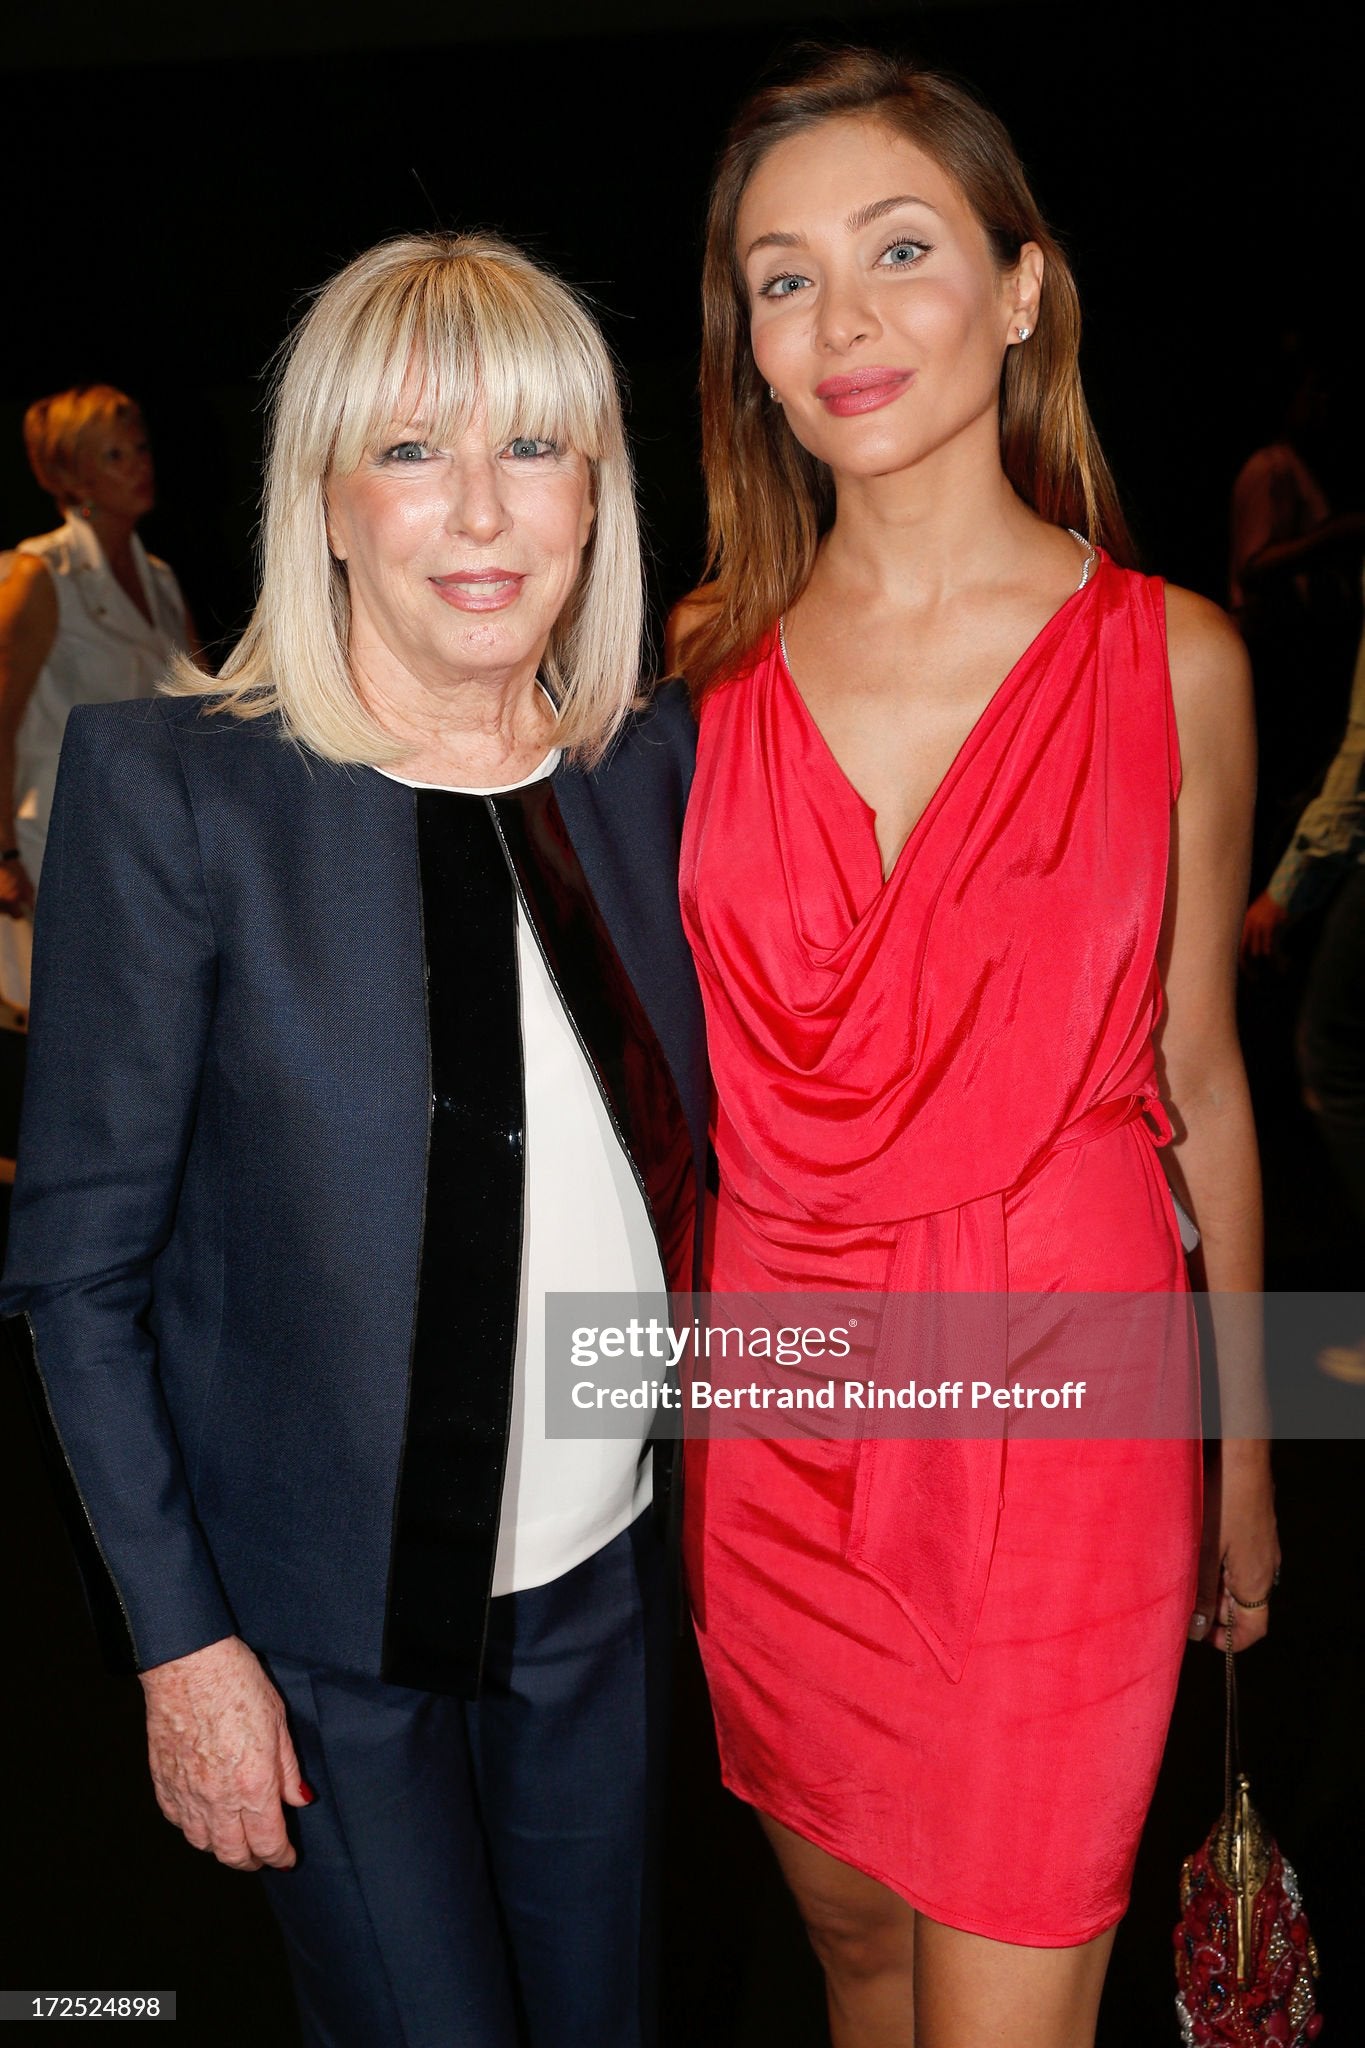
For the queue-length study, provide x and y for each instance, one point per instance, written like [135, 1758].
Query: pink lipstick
[479, 590]
[864, 390]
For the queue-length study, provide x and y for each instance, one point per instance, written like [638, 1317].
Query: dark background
[179, 180]
[176, 181]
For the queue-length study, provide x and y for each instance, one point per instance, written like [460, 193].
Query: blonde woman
[87, 616]
[362, 1019]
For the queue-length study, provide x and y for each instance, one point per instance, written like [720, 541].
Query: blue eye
[785, 286]
[527, 449]
[406, 451]
[903, 255]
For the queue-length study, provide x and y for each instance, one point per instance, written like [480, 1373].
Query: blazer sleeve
[124, 974]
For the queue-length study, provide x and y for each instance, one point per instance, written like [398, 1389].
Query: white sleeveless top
[104, 651]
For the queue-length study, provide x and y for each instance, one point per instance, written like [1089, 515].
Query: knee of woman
[854, 1944]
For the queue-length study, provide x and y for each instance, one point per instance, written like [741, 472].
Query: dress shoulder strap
[1146, 597]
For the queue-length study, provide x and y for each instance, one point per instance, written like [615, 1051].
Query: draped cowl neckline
[889, 1048]
[977, 735]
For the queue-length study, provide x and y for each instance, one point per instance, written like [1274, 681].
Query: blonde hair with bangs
[474, 321]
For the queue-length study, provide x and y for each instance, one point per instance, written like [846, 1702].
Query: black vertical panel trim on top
[465, 1332]
[630, 1064]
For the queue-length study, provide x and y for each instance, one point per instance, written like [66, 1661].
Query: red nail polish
[308, 1793]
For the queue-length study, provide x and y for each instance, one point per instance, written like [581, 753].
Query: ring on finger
[1249, 1606]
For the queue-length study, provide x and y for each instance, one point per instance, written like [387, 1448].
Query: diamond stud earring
[1024, 333]
[772, 393]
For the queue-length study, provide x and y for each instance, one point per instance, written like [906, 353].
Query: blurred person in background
[1324, 865]
[1293, 576]
[87, 616]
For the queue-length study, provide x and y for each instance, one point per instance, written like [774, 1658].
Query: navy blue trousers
[483, 1874]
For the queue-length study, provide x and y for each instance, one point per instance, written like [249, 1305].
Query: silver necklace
[1091, 556]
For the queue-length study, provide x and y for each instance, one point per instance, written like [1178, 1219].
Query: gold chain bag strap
[1245, 1962]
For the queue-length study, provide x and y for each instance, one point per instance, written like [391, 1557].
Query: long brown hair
[769, 500]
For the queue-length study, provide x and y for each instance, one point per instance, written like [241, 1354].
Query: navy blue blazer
[218, 1215]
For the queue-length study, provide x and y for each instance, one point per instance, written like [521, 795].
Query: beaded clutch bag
[1245, 1962]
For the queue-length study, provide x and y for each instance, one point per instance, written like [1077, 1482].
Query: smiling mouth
[862, 390]
[479, 590]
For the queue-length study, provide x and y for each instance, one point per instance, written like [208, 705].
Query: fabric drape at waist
[1112, 1115]
[761, 1198]
[926, 1509]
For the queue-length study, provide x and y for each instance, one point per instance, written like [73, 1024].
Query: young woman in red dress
[964, 871]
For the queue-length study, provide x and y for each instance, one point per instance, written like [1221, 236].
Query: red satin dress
[949, 1664]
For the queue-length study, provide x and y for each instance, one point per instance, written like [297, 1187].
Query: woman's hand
[16, 890]
[1240, 1553]
[1261, 928]
[222, 1761]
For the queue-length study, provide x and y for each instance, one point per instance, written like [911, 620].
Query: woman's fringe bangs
[482, 341]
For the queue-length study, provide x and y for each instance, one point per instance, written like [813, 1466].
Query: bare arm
[687, 615]
[28, 627]
[1280, 520]
[1335, 539]
[1213, 1161]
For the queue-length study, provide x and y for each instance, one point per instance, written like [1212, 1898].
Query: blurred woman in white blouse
[87, 616]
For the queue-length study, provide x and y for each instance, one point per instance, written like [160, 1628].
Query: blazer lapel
[629, 853]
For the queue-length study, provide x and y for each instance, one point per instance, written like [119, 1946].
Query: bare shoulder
[28, 595]
[1210, 677]
[687, 615]
[25, 580]
[1206, 652]
[1200, 637]
[697, 605]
